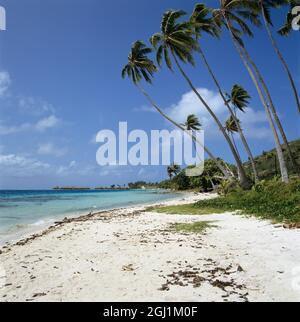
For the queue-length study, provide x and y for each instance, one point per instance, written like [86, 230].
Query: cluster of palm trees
[178, 42]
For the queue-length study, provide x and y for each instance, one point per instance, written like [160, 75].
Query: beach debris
[38, 295]
[128, 268]
[240, 268]
[217, 276]
[164, 287]
[292, 226]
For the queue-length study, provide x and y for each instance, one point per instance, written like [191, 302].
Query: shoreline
[131, 253]
[32, 229]
[40, 229]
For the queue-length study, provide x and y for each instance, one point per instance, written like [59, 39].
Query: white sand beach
[133, 255]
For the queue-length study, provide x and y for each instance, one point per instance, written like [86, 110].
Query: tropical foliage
[180, 40]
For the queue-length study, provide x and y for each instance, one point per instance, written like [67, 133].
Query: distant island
[71, 188]
[130, 186]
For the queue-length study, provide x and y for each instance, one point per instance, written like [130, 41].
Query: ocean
[26, 211]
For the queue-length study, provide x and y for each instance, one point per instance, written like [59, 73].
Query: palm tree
[176, 40]
[286, 29]
[248, 9]
[202, 22]
[232, 14]
[192, 123]
[140, 67]
[170, 172]
[265, 6]
[239, 98]
[231, 128]
[173, 169]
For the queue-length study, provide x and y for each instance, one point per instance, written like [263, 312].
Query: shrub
[270, 200]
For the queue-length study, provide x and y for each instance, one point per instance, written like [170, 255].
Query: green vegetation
[211, 177]
[180, 40]
[196, 227]
[190, 209]
[142, 184]
[267, 163]
[267, 166]
[269, 200]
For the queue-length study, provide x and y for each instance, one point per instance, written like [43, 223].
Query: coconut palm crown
[239, 97]
[202, 21]
[238, 13]
[139, 66]
[267, 5]
[231, 126]
[175, 38]
[192, 123]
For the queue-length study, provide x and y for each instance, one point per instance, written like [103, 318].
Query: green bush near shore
[269, 200]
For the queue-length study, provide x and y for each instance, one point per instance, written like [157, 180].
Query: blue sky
[60, 83]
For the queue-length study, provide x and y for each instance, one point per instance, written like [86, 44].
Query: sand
[134, 255]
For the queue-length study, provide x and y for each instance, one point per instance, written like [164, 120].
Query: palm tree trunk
[234, 143]
[226, 173]
[212, 184]
[283, 168]
[276, 48]
[242, 136]
[243, 180]
[273, 110]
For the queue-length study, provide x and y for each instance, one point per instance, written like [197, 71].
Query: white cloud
[41, 126]
[47, 123]
[253, 122]
[14, 165]
[51, 149]
[5, 81]
[34, 106]
[6, 130]
[190, 104]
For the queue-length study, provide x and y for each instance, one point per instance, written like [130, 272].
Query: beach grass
[188, 209]
[272, 200]
[196, 227]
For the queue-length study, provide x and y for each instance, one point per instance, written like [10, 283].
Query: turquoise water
[21, 210]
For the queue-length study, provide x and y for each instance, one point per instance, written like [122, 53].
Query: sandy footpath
[133, 255]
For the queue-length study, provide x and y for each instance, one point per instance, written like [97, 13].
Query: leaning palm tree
[170, 171]
[176, 40]
[239, 98]
[264, 7]
[231, 128]
[234, 15]
[241, 11]
[202, 22]
[176, 169]
[192, 123]
[140, 67]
